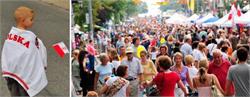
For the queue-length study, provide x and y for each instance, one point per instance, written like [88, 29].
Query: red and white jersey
[23, 58]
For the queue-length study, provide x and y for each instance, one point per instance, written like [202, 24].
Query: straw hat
[129, 50]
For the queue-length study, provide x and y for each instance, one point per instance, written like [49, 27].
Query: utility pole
[90, 20]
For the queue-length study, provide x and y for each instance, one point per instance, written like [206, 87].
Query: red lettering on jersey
[27, 44]
[20, 40]
[15, 38]
[9, 36]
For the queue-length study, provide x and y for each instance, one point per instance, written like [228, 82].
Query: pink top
[91, 50]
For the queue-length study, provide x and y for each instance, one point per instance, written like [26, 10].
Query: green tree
[105, 10]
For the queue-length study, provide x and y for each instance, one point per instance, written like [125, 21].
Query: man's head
[188, 39]
[136, 41]
[217, 56]
[92, 94]
[242, 54]
[129, 53]
[24, 16]
[122, 50]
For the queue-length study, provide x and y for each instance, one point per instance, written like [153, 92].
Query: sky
[153, 9]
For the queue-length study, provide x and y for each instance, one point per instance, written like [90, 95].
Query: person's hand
[144, 84]
[186, 94]
[141, 87]
[86, 70]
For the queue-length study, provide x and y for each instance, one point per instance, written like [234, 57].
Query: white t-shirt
[198, 55]
[186, 49]
[104, 71]
[192, 72]
[122, 91]
[116, 64]
[211, 47]
[218, 40]
[153, 55]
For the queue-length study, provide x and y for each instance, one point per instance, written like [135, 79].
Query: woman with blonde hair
[189, 60]
[149, 69]
[203, 81]
[183, 72]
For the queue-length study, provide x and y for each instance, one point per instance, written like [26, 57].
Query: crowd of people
[149, 57]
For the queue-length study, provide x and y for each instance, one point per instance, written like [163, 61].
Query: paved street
[52, 26]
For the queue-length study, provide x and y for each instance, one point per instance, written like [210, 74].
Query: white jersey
[23, 59]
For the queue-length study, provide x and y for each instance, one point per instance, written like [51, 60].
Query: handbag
[215, 92]
[153, 91]
[115, 87]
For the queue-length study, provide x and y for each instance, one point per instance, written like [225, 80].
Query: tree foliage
[105, 10]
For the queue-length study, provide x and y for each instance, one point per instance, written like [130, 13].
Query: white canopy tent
[243, 19]
[221, 20]
[247, 7]
[192, 18]
[208, 16]
[176, 19]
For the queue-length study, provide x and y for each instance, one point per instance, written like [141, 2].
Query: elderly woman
[183, 72]
[103, 70]
[189, 60]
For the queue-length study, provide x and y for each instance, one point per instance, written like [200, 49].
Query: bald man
[219, 67]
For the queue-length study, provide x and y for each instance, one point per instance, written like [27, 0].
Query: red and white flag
[232, 12]
[239, 11]
[61, 49]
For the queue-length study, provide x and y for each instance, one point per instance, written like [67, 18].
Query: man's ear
[22, 19]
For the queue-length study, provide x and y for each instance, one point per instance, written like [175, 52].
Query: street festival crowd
[147, 57]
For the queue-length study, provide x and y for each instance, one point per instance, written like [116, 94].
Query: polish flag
[61, 49]
[239, 11]
[232, 12]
